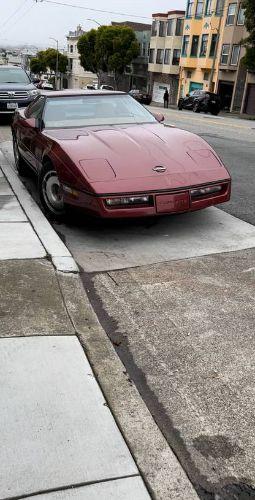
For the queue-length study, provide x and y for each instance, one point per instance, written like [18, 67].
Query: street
[176, 297]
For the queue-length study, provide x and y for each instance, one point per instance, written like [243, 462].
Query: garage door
[158, 91]
[250, 103]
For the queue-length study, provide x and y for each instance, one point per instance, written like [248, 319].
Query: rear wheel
[180, 106]
[196, 107]
[51, 194]
[215, 112]
[21, 166]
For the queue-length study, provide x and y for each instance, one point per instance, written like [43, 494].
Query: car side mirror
[159, 117]
[35, 123]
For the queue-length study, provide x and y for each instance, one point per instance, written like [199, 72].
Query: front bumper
[22, 103]
[161, 202]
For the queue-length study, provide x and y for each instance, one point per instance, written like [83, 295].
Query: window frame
[152, 52]
[231, 15]
[159, 51]
[205, 36]
[241, 9]
[213, 37]
[189, 10]
[176, 58]
[199, 3]
[221, 3]
[34, 104]
[170, 22]
[234, 46]
[167, 51]
[224, 54]
[198, 40]
[185, 45]
[207, 11]
[179, 26]
[162, 29]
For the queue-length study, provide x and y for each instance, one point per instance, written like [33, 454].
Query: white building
[78, 77]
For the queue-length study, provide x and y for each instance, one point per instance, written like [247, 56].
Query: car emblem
[159, 169]
[11, 93]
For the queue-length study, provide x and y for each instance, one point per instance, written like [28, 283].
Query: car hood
[122, 158]
[17, 86]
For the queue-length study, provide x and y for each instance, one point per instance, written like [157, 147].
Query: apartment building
[200, 46]
[235, 85]
[77, 76]
[165, 53]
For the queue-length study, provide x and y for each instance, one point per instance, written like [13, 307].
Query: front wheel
[21, 165]
[51, 194]
[215, 112]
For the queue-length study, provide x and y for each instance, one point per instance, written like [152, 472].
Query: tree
[87, 49]
[249, 42]
[110, 48]
[38, 65]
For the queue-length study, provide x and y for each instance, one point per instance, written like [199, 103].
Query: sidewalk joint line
[70, 487]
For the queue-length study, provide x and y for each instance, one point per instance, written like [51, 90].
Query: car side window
[35, 109]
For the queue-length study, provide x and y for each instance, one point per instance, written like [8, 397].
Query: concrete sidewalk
[59, 438]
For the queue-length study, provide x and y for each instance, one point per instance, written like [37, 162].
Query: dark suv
[16, 89]
[201, 100]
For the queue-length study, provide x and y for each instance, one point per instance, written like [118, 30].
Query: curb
[54, 246]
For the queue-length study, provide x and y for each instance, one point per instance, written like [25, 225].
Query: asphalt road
[176, 297]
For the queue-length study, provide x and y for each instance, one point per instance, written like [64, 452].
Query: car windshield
[87, 110]
[13, 75]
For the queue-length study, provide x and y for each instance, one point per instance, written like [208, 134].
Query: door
[28, 133]
[250, 102]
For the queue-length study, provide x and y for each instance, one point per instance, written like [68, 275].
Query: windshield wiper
[10, 82]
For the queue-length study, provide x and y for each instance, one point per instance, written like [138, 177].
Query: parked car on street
[201, 100]
[106, 87]
[106, 154]
[142, 97]
[16, 89]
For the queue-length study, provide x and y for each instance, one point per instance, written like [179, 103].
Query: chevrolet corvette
[106, 154]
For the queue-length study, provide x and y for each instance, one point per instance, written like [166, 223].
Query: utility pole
[56, 70]
[218, 31]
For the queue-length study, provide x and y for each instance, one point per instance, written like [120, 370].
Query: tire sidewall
[52, 213]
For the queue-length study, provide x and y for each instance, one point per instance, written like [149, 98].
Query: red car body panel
[101, 161]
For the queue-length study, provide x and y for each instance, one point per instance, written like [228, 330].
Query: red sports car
[105, 153]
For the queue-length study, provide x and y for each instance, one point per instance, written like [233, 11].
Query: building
[77, 76]
[165, 52]
[136, 74]
[202, 34]
[235, 85]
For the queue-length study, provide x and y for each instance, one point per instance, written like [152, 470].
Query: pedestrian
[166, 98]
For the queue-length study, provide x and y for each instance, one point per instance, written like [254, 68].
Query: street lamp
[56, 70]
[94, 21]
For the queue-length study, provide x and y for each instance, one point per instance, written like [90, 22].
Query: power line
[14, 13]
[20, 18]
[93, 10]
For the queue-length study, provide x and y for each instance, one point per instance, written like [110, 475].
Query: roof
[133, 25]
[169, 13]
[10, 66]
[77, 92]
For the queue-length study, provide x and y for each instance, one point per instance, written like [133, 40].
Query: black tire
[215, 112]
[196, 107]
[21, 166]
[50, 192]
[180, 106]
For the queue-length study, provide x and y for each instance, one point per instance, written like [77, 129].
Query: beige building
[235, 85]
[164, 55]
[77, 76]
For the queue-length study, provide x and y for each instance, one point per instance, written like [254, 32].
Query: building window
[231, 14]
[167, 56]
[203, 48]
[154, 28]
[189, 8]
[179, 27]
[194, 46]
[162, 28]
[160, 55]
[200, 8]
[152, 56]
[235, 55]
[71, 48]
[176, 57]
[241, 18]
[185, 45]
[208, 8]
[206, 76]
[213, 45]
[188, 73]
[170, 27]
[220, 7]
[225, 53]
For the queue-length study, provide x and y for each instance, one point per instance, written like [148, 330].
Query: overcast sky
[25, 21]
